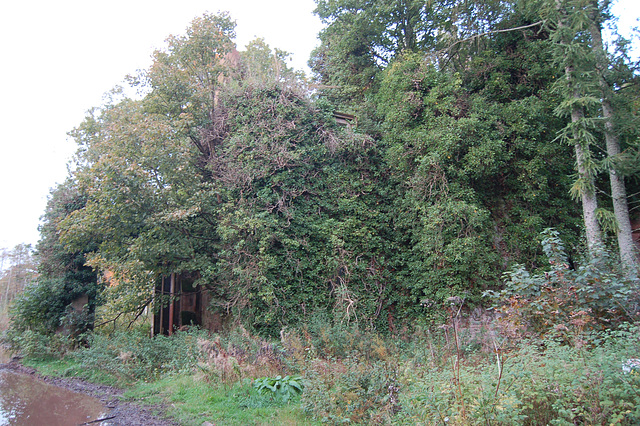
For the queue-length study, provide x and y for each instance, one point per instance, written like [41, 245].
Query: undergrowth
[463, 373]
[559, 348]
[192, 401]
[536, 382]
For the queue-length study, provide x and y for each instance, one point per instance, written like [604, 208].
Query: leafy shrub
[540, 382]
[36, 345]
[38, 308]
[283, 388]
[133, 355]
[75, 324]
[351, 390]
[563, 301]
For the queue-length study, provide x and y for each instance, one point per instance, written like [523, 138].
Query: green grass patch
[188, 398]
[192, 401]
[69, 366]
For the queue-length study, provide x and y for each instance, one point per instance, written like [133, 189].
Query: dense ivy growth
[231, 167]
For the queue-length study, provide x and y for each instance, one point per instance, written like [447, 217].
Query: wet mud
[116, 412]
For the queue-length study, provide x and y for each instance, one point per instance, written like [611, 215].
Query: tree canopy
[232, 167]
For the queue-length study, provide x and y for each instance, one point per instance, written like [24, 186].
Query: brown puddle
[26, 401]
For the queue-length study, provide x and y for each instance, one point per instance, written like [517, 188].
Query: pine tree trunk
[585, 175]
[626, 246]
[587, 193]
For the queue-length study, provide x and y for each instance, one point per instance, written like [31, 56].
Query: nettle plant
[564, 301]
[282, 388]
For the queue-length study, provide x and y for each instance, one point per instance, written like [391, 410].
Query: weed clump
[536, 382]
[350, 375]
[237, 355]
[564, 302]
[133, 355]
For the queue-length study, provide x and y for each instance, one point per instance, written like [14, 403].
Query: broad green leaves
[279, 387]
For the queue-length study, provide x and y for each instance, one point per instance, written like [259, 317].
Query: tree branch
[139, 313]
[110, 320]
[523, 27]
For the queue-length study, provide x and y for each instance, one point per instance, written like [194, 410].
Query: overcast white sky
[57, 59]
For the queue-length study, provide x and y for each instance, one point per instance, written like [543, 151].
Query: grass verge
[192, 401]
[187, 397]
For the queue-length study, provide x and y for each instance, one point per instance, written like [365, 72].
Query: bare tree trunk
[587, 192]
[172, 291]
[586, 185]
[626, 246]
[6, 293]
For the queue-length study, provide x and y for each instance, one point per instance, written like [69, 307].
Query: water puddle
[26, 401]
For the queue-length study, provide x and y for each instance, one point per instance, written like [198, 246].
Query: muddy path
[120, 412]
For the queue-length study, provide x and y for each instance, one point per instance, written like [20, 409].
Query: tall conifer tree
[626, 247]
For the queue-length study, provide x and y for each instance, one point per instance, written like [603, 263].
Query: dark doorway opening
[184, 307]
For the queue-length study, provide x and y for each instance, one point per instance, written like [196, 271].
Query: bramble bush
[133, 355]
[563, 302]
[350, 374]
[37, 345]
[539, 382]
